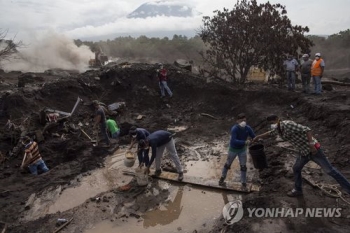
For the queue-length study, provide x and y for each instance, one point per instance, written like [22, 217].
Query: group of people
[308, 69]
[298, 135]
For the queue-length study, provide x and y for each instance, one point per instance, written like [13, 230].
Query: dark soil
[72, 154]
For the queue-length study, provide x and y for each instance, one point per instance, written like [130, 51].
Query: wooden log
[231, 186]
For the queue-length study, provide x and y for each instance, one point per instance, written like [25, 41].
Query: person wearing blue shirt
[238, 147]
[138, 134]
[158, 141]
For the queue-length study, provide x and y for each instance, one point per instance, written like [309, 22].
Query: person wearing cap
[240, 134]
[308, 148]
[32, 158]
[291, 66]
[305, 70]
[158, 141]
[100, 118]
[317, 69]
[138, 134]
[162, 74]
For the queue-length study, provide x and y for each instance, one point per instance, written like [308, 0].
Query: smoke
[53, 51]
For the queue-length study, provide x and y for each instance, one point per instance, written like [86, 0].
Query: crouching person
[32, 158]
[158, 141]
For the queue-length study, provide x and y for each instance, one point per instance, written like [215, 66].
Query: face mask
[243, 124]
[273, 126]
[134, 135]
[317, 58]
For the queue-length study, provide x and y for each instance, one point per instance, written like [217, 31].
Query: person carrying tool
[309, 148]
[113, 128]
[238, 147]
[158, 141]
[100, 118]
[32, 158]
[163, 77]
[138, 134]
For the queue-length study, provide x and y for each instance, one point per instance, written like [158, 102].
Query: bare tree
[251, 34]
[8, 47]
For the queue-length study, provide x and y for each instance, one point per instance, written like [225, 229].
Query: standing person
[100, 118]
[32, 157]
[163, 77]
[138, 134]
[238, 147]
[305, 70]
[158, 141]
[291, 66]
[309, 148]
[113, 128]
[317, 69]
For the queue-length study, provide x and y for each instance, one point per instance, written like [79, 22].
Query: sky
[79, 19]
[47, 27]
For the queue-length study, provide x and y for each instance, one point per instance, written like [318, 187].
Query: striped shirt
[295, 134]
[33, 153]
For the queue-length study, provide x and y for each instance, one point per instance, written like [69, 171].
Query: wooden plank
[231, 186]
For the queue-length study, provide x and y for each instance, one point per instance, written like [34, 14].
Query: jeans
[142, 155]
[242, 156]
[163, 85]
[104, 132]
[317, 84]
[323, 162]
[170, 146]
[305, 79]
[291, 80]
[116, 134]
[39, 165]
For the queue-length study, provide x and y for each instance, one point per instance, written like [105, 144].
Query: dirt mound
[68, 153]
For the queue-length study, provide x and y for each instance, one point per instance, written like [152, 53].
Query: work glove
[247, 142]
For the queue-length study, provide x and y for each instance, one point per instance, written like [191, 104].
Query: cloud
[87, 18]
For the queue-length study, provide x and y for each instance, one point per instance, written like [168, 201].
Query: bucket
[258, 155]
[129, 159]
[141, 176]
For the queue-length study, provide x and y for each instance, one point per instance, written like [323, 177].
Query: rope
[332, 191]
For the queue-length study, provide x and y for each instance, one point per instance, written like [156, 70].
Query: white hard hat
[318, 55]
[306, 55]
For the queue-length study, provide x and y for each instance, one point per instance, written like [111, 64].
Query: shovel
[94, 142]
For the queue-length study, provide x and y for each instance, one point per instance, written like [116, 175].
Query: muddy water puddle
[100, 180]
[188, 209]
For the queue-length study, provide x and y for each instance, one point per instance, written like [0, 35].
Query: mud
[84, 181]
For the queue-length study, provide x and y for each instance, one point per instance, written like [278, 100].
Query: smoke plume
[53, 51]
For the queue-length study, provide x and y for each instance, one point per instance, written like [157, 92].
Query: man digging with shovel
[100, 118]
[32, 158]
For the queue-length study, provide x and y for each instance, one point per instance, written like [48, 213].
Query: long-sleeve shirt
[295, 134]
[239, 136]
[141, 134]
[157, 139]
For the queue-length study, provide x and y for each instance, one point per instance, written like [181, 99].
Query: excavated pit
[83, 181]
